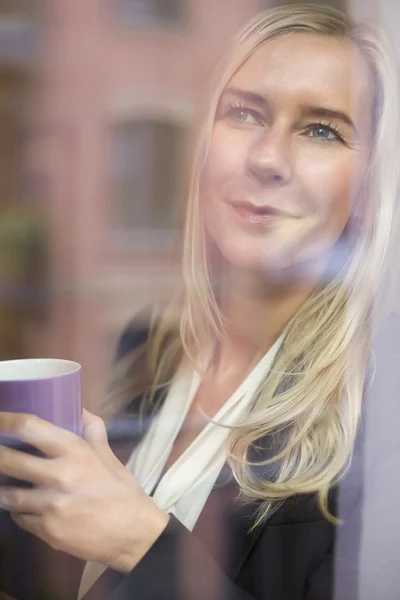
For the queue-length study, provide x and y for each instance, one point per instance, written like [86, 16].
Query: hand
[84, 501]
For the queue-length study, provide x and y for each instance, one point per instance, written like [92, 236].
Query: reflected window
[146, 164]
[150, 12]
[18, 8]
[18, 40]
[18, 30]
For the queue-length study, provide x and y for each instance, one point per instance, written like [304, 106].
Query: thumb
[94, 430]
[95, 434]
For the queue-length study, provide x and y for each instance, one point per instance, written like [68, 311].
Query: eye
[325, 132]
[242, 114]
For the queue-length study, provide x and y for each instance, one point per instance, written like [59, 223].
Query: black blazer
[296, 555]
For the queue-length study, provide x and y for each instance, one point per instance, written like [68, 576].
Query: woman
[288, 219]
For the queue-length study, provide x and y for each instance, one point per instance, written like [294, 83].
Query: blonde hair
[310, 395]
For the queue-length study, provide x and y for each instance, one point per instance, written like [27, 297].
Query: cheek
[224, 165]
[334, 185]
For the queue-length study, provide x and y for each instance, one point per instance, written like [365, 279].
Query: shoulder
[159, 321]
[137, 331]
[134, 334]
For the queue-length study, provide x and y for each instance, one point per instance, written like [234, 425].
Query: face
[288, 152]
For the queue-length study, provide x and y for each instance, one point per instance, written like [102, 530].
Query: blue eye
[324, 132]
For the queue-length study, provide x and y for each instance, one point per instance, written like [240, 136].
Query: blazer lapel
[224, 523]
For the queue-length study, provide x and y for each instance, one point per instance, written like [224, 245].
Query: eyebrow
[328, 113]
[254, 97]
[308, 111]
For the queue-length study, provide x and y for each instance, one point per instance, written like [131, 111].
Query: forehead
[312, 69]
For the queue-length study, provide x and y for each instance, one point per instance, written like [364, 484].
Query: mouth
[258, 215]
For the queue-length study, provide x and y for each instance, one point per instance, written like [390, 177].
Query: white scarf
[183, 490]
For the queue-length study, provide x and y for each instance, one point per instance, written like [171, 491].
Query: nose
[269, 159]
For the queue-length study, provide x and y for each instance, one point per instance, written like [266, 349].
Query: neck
[255, 313]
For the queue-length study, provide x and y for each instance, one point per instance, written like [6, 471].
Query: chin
[253, 258]
[277, 264]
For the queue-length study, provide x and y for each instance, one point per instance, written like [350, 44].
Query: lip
[258, 215]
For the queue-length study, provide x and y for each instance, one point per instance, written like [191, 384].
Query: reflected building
[121, 83]
[23, 252]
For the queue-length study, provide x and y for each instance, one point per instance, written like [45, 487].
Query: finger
[23, 466]
[50, 439]
[21, 500]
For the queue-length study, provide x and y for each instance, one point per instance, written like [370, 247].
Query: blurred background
[98, 99]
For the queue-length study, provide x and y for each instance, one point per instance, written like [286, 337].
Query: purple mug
[49, 388]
